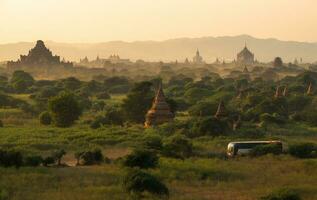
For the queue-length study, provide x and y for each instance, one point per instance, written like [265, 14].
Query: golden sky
[130, 20]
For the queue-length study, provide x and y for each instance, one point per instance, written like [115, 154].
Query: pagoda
[285, 92]
[160, 111]
[245, 56]
[221, 111]
[310, 89]
[278, 92]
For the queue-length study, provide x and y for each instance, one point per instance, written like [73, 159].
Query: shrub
[1, 123]
[92, 157]
[48, 161]
[103, 95]
[113, 116]
[153, 142]
[303, 150]
[45, 118]
[58, 155]
[10, 159]
[137, 182]
[283, 194]
[261, 150]
[177, 146]
[64, 109]
[33, 161]
[141, 158]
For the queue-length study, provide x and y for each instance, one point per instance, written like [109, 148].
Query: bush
[58, 155]
[303, 150]
[177, 146]
[103, 95]
[143, 159]
[1, 123]
[45, 118]
[10, 159]
[137, 182]
[92, 157]
[33, 161]
[48, 161]
[283, 194]
[153, 142]
[113, 116]
[266, 149]
[64, 109]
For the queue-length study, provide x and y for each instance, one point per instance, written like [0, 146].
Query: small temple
[278, 92]
[285, 92]
[310, 89]
[160, 111]
[221, 111]
[245, 56]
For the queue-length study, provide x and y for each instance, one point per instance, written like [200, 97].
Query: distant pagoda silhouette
[310, 89]
[221, 111]
[160, 111]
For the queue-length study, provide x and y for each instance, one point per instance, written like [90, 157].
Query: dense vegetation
[96, 128]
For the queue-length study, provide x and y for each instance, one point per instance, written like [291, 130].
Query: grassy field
[207, 175]
[199, 177]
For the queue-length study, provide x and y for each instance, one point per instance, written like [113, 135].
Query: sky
[132, 20]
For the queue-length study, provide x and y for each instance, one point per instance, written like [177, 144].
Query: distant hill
[174, 49]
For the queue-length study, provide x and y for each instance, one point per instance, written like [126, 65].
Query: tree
[21, 81]
[45, 118]
[64, 109]
[136, 182]
[177, 146]
[58, 155]
[141, 158]
[138, 102]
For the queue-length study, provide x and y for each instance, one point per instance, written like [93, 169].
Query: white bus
[244, 147]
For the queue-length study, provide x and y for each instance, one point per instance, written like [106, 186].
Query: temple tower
[221, 111]
[310, 89]
[278, 92]
[285, 92]
[160, 111]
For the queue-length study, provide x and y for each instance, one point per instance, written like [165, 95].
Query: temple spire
[221, 111]
[310, 89]
[160, 111]
[278, 92]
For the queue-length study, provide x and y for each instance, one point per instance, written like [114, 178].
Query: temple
[160, 111]
[221, 111]
[278, 92]
[38, 56]
[198, 59]
[245, 56]
[309, 89]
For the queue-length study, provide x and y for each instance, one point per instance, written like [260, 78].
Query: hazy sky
[129, 20]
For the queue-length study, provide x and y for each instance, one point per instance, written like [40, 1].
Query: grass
[201, 178]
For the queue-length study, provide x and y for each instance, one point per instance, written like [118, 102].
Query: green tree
[21, 81]
[45, 118]
[138, 102]
[64, 109]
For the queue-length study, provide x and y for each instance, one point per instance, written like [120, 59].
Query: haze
[130, 20]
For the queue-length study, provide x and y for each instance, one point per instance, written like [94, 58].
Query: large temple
[245, 56]
[160, 111]
[198, 59]
[38, 56]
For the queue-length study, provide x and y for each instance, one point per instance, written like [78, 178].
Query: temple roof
[245, 52]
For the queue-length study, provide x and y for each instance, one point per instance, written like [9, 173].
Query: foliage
[58, 155]
[45, 118]
[33, 161]
[21, 81]
[92, 157]
[177, 146]
[209, 126]
[152, 142]
[141, 158]
[112, 116]
[137, 182]
[64, 109]
[261, 150]
[303, 150]
[138, 102]
[10, 159]
[283, 194]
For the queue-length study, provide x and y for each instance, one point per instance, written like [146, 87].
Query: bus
[245, 147]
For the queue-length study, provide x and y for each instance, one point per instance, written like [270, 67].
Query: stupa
[221, 111]
[160, 111]
[310, 89]
[278, 92]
